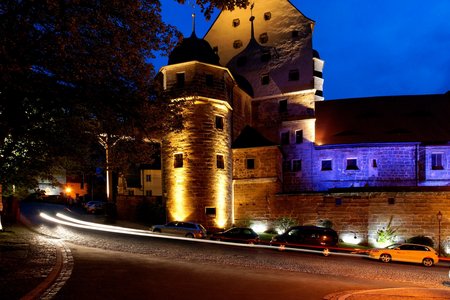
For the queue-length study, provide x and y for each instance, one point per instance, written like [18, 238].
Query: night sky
[370, 48]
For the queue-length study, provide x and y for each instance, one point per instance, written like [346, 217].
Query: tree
[208, 6]
[72, 70]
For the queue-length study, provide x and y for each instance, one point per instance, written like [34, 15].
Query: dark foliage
[422, 240]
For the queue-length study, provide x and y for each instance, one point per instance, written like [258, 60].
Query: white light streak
[72, 222]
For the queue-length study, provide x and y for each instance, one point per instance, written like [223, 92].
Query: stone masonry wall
[362, 214]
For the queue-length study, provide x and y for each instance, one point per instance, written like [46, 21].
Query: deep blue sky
[370, 48]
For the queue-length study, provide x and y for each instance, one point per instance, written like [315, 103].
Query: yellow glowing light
[221, 206]
[178, 191]
[68, 190]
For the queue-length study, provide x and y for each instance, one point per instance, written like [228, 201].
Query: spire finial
[193, 18]
[252, 18]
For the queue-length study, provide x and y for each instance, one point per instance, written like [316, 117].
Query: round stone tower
[197, 161]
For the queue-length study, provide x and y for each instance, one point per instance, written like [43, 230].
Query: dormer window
[295, 34]
[236, 22]
[263, 38]
[265, 56]
[294, 75]
[282, 106]
[237, 44]
[265, 79]
[267, 16]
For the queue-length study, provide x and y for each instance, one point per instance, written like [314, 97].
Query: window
[219, 122]
[220, 162]
[327, 165]
[265, 79]
[338, 201]
[295, 33]
[284, 138]
[250, 163]
[148, 193]
[352, 164]
[374, 163]
[265, 56]
[180, 79]
[294, 75]
[282, 106]
[267, 16]
[296, 165]
[237, 44]
[209, 79]
[236, 22]
[263, 38]
[436, 161]
[148, 178]
[178, 160]
[287, 166]
[299, 136]
[210, 211]
[130, 192]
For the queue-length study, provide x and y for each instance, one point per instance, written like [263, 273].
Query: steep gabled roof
[251, 138]
[418, 118]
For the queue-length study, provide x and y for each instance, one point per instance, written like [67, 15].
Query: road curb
[59, 274]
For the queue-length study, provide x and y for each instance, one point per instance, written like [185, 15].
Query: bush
[387, 234]
[325, 223]
[420, 239]
[283, 223]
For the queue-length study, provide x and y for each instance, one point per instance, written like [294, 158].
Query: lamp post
[439, 217]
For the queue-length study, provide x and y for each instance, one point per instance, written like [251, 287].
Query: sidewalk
[26, 261]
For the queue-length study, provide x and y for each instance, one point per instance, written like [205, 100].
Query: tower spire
[252, 18]
[193, 19]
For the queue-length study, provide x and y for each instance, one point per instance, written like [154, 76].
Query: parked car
[306, 237]
[95, 207]
[185, 229]
[237, 235]
[413, 253]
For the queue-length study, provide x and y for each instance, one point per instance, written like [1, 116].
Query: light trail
[72, 222]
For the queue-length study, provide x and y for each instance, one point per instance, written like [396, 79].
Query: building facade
[257, 128]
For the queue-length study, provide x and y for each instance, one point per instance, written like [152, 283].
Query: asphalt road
[117, 266]
[105, 274]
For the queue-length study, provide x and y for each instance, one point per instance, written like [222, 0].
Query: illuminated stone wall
[357, 214]
[254, 189]
[199, 184]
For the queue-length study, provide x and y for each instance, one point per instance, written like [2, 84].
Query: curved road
[117, 266]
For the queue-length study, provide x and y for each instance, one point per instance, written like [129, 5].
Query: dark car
[237, 235]
[185, 229]
[307, 237]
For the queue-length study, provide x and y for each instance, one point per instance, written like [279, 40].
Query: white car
[93, 207]
[185, 229]
[412, 253]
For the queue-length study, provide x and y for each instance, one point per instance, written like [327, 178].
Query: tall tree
[71, 70]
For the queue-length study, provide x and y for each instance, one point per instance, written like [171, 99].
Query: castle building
[257, 126]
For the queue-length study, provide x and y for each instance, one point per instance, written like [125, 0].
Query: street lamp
[439, 217]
